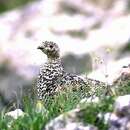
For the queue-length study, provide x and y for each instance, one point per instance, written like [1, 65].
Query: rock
[107, 117]
[114, 122]
[13, 86]
[69, 121]
[119, 119]
[72, 126]
[120, 124]
[111, 72]
[45, 12]
[79, 64]
[122, 106]
[124, 75]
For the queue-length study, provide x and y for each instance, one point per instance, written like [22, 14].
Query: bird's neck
[52, 60]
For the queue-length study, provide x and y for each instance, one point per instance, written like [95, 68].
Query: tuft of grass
[64, 101]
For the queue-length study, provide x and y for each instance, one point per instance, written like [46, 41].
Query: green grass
[6, 5]
[63, 102]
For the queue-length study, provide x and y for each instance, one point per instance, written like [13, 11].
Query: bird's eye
[51, 46]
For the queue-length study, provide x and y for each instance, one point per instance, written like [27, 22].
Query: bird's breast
[51, 71]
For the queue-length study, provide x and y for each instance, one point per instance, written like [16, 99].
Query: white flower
[15, 114]
[90, 100]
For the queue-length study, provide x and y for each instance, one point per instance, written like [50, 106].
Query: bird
[53, 78]
[52, 75]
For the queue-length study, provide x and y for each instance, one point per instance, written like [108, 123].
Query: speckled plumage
[52, 75]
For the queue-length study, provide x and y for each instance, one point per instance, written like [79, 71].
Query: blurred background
[93, 36]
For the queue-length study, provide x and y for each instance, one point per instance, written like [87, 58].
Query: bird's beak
[40, 47]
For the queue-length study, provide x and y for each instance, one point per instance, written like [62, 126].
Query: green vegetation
[63, 102]
[10, 4]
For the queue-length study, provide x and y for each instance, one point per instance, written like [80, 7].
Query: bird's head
[50, 48]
